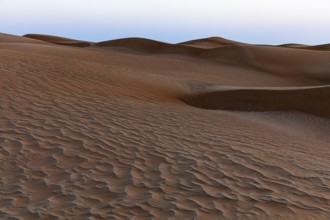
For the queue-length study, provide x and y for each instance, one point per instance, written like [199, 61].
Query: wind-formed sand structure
[140, 129]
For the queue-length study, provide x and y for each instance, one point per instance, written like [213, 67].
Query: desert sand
[141, 129]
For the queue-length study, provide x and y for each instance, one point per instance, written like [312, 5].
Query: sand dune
[294, 45]
[134, 43]
[212, 42]
[296, 63]
[162, 131]
[59, 40]
[9, 38]
[156, 47]
[276, 60]
[225, 54]
[321, 47]
[150, 46]
[310, 100]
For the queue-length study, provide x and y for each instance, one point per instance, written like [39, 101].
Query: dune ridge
[321, 47]
[9, 38]
[223, 50]
[311, 100]
[150, 46]
[266, 58]
[227, 53]
[100, 133]
[293, 45]
[59, 40]
[212, 42]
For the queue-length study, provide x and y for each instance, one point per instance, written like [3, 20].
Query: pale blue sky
[252, 21]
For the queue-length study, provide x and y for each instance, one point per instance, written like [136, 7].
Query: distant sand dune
[212, 42]
[321, 47]
[226, 53]
[59, 40]
[291, 62]
[150, 46]
[134, 43]
[277, 60]
[293, 45]
[8, 38]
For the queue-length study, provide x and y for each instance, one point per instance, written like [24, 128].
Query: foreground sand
[140, 129]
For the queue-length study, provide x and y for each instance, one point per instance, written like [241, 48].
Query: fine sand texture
[140, 129]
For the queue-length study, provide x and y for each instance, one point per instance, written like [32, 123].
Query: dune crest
[9, 38]
[212, 42]
[226, 54]
[59, 40]
[150, 46]
[310, 100]
[293, 45]
[321, 47]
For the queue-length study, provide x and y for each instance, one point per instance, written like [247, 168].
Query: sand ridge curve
[59, 40]
[311, 100]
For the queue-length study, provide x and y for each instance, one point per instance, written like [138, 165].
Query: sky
[251, 21]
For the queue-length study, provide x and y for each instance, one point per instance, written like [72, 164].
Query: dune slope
[311, 100]
[9, 38]
[298, 64]
[150, 46]
[293, 63]
[59, 40]
[212, 42]
[321, 47]
[99, 133]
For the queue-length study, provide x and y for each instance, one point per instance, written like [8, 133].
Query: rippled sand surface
[138, 129]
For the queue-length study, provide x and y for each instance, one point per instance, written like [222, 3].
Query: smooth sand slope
[13, 39]
[140, 129]
[311, 100]
[321, 47]
[212, 42]
[59, 40]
